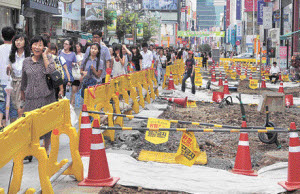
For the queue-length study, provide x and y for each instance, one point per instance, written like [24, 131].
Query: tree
[125, 24]
[204, 48]
[89, 26]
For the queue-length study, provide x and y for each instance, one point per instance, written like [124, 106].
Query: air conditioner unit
[21, 23]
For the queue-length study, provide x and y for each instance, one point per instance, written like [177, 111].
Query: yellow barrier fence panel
[56, 116]
[15, 137]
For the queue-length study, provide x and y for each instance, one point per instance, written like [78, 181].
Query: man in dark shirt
[189, 72]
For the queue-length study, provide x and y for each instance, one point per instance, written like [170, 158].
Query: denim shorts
[13, 113]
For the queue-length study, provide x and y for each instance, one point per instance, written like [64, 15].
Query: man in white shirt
[7, 33]
[274, 73]
[184, 55]
[147, 57]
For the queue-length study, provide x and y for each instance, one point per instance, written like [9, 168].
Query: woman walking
[118, 61]
[34, 89]
[136, 58]
[61, 66]
[70, 57]
[20, 49]
[91, 68]
[161, 65]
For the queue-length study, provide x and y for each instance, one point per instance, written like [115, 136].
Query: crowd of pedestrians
[27, 67]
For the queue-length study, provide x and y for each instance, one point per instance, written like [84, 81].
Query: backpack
[58, 66]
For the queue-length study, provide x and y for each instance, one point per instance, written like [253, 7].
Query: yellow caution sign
[191, 104]
[188, 149]
[285, 78]
[157, 137]
[242, 77]
[233, 75]
[253, 84]
[198, 79]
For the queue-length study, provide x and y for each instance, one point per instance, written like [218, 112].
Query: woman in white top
[118, 61]
[79, 54]
[20, 49]
[161, 64]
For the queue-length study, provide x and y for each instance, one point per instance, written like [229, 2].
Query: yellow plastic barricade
[142, 79]
[26, 133]
[138, 87]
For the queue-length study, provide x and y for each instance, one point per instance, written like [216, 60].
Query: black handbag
[54, 80]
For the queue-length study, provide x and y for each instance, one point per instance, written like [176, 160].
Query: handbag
[76, 72]
[54, 80]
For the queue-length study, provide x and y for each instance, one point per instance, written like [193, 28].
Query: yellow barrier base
[167, 157]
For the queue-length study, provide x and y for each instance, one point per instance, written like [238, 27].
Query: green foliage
[126, 25]
[90, 26]
[204, 48]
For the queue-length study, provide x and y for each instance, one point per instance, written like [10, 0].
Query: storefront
[38, 14]
[9, 12]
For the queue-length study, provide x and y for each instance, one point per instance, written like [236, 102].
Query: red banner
[227, 13]
[249, 5]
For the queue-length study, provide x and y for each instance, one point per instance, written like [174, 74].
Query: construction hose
[225, 101]
[270, 137]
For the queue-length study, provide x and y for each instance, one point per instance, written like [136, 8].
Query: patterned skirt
[31, 104]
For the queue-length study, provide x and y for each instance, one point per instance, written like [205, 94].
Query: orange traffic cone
[171, 83]
[220, 80]
[217, 97]
[289, 100]
[243, 160]
[180, 101]
[281, 87]
[250, 77]
[98, 175]
[280, 78]
[263, 82]
[293, 179]
[226, 89]
[85, 133]
[213, 76]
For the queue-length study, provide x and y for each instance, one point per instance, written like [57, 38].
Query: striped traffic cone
[98, 175]
[250, 77]
[263, 82]
[226, 88]
[289, 100]
[220, 80]
[218, 97]
[293, 179]
[279, 76]
[171, 83]
[243, 160]
[281, 87]
[213, 76]
[85, 133]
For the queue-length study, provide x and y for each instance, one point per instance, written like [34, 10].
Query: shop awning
[284, 37]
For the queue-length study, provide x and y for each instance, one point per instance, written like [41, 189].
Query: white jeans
[160, 71]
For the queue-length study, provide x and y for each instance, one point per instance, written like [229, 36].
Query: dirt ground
[220, 147]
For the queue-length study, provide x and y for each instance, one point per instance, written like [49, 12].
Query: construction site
[238, 130]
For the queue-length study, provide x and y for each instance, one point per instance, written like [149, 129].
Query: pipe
[57, 174]
[194, 130]
[180, 122]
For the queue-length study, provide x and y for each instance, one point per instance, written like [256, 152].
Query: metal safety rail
[274, 129]
[195, 130]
